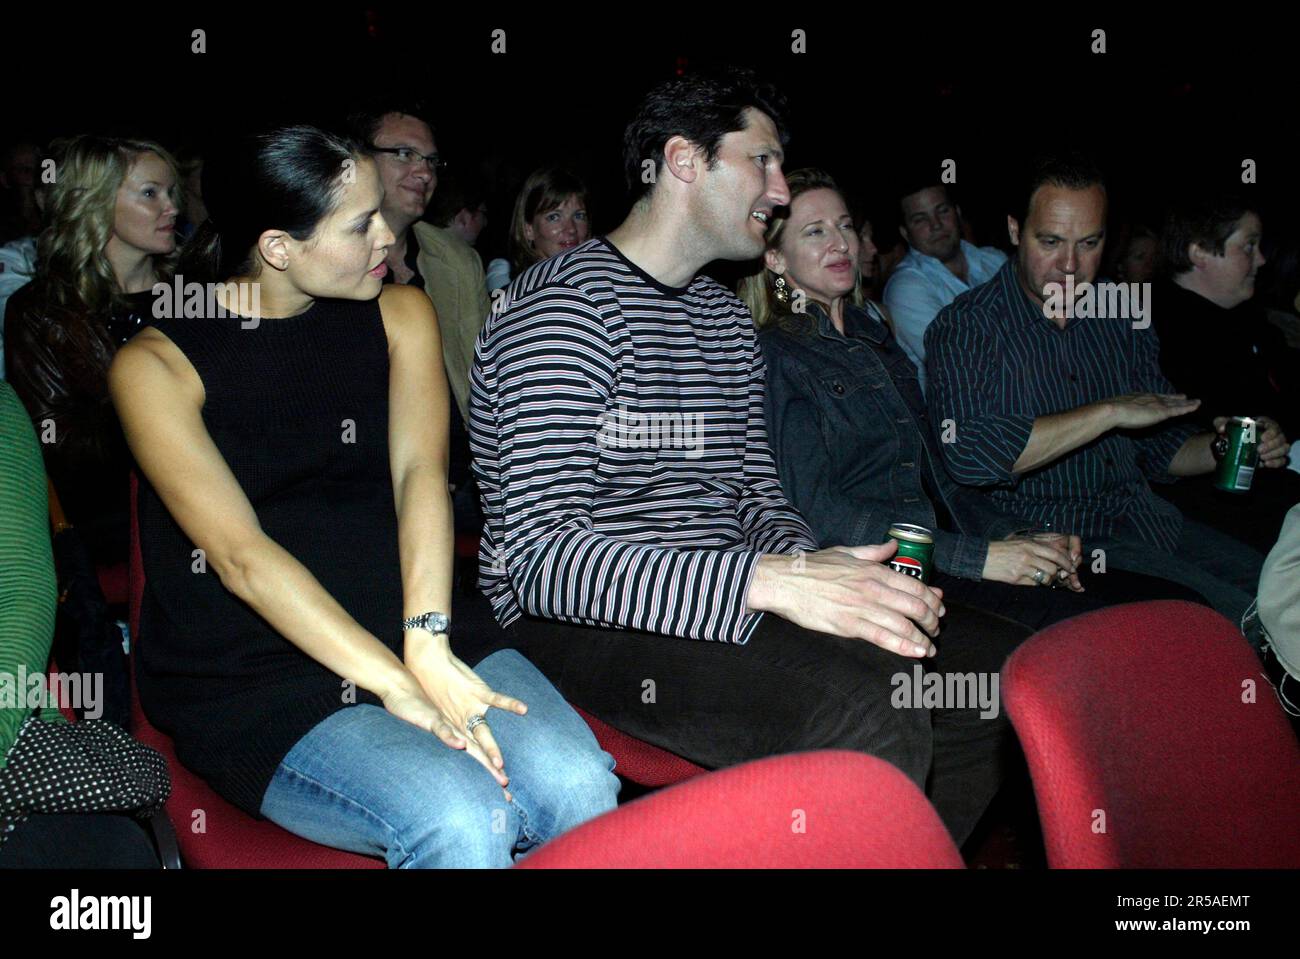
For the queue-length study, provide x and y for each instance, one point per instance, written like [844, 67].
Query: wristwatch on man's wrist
[436, 623]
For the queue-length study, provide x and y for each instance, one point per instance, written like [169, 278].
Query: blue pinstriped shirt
[996, 363]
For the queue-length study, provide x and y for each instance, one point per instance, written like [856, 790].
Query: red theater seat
[829, 810]
[1146, 747]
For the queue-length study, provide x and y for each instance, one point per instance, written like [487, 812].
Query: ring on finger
[474, 722]
[1040, 577]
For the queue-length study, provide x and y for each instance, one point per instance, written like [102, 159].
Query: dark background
[1173, 104]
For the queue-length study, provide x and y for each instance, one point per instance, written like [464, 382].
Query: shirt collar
[859, 323]
[1022, 306]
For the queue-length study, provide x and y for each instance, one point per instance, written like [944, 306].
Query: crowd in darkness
[857, 358]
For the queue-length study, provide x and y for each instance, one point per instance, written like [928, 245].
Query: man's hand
[846, 591]
[1017, 559]
[1137, 410]
[1273, 447]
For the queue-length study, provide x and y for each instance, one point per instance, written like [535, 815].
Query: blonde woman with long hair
[109, 237]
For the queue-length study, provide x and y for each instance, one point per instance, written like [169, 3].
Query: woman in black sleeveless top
[290, 424]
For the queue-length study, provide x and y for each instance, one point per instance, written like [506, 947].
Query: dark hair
[703, 108]
[285, 179]
[1205, 221]
[364, 123]
[454, 193]
[1071, 170]
[918, 178]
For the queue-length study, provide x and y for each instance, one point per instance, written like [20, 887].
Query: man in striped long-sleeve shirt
[637, 540]
[1064, 416]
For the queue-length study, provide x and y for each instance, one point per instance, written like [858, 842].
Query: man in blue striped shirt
[638, 544]
[1063, 415]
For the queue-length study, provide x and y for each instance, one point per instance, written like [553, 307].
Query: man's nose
[778, 191]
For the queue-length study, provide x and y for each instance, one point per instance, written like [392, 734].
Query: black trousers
[1037, 606]
[79, 841]
[1254, 518]
[790, 690]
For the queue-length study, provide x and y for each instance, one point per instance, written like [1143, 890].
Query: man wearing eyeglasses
[437, 259]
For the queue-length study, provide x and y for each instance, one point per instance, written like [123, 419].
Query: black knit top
[299, 409]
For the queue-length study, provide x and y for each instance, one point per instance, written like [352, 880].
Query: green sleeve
[28, 590]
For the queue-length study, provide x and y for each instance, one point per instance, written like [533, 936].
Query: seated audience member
[27, 603]
[550, 216]
[1217, 345]
[938, 267]
[1278, 616]
[17, 267]
[1061, 415]
[1281, 292]
[1135, 261]
[854, 445]
[459, 205]
[425, 255]
[193, 210]
[88, 297]
[879, 253]
[636, 529]
[287, 675]
[20, 214]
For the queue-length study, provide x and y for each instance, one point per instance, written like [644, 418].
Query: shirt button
[908, 465]
[838, 389]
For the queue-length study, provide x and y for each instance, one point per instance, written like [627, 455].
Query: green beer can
[915, 556]
[1236, 468]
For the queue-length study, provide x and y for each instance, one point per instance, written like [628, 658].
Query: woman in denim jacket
[855, 447]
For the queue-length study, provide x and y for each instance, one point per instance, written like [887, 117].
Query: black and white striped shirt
[621, 452]
[996, 363]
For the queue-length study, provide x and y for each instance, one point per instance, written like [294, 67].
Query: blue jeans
[1222, 569]
[365, 781]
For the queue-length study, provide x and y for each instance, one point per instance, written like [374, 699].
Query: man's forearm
[1194, 457]
[1059, 433]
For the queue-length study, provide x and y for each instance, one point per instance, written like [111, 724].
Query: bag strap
[58, 519]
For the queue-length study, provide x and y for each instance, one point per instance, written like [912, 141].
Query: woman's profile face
[344, 257]
[866, 252]
[560, 229]
[144, 215]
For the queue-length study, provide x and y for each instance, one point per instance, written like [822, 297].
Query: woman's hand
[457, 693]
[1016, 561]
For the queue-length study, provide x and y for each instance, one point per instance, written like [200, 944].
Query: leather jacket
[63, 382]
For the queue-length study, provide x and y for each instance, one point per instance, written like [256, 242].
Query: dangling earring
[782, 291]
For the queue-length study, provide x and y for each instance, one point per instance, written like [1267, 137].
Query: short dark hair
[364, 122]
[455, 192]
[703, 108]
[918, 178]
[1205, 221]
[1071, 170]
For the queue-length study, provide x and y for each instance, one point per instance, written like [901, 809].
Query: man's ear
[274, 248]
[1198, 255]
[683, 159]
[774, 261]
[1013, 230]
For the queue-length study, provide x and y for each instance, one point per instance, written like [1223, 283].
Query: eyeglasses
[407, 157]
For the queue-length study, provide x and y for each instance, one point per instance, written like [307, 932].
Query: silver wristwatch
[434, 622]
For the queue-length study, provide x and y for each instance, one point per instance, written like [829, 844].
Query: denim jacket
[852, 440]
